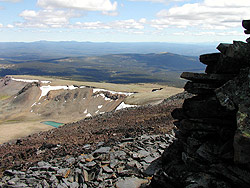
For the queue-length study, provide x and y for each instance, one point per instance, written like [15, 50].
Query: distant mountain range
[47, 49]
[114, 68]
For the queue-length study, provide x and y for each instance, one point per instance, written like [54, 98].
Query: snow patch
[123, 105]
[33, 104]
[46, 89]
[112, 92]
[89, 115]
[30, 81]
[97, 111]
[86, 111]
[105, 98]
[100, 106]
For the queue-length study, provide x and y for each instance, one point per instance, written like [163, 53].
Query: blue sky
[182, 21]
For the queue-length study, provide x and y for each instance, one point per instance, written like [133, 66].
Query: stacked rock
[213, 137]
[246, 25]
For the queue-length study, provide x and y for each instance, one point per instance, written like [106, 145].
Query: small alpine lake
[52, 123]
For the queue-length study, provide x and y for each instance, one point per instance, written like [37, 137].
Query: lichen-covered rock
[235, 95]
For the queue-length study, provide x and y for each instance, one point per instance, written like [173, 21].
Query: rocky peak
[213, 137]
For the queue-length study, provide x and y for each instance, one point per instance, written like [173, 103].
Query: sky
[178, 21]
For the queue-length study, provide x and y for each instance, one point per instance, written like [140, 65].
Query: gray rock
[113, 163]
[62, 172]
[143, 153]
[65, 181]
[100, 144]
[9, 172]
[53, 178]
[86, 175]
[102, 150]
[107, 169]
[149, 159]
[38, 186]
[87, 146]
[71, 161]
[42, 164]
[31, 180]
[45, 184]
[130, 183]
[120, 154]
[62, 185]
[13, 181]
[127, 139]
[74, 185]
[90, 164]
[20, 185]
[134, 163]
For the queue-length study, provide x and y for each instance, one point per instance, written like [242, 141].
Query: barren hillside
[27, 102]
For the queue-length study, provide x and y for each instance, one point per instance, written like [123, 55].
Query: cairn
[213, 136]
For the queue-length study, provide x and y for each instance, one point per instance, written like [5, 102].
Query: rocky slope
[125, 132]
[213, 141]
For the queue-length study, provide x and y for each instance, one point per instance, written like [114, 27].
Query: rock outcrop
[213, 137]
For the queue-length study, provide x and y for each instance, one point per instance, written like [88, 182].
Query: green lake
[52, 123]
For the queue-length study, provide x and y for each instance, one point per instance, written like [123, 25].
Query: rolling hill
[115, 68]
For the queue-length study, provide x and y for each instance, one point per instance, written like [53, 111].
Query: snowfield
[123, 105]
[30, 81]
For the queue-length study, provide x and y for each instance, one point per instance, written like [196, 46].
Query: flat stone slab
[209, 59]
[102, 150]
[223, 47]
[204, 78]
[200, 88]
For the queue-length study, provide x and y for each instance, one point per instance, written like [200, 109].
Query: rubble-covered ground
[69, 155]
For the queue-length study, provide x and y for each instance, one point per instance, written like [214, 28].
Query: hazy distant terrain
[117, 68]
[46, 49]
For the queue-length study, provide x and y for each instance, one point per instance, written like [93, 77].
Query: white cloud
[1, 25]
[121, 25]
[127, 24]
[90, 25]
[61, 19]
[89, 5]
[209, 14]
[46, 18]
[110, 13]
[10, 26]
